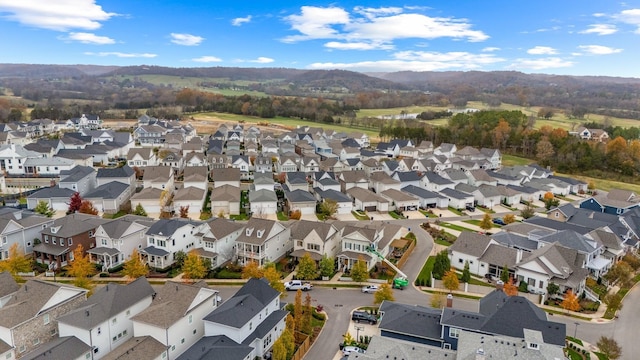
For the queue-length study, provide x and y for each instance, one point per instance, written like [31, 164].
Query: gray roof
[225, 193]
[225, 174]
[221, 227]
[74, 224]
[107, 302]
[51, 192]
[166, 227]
[68, 347]
[515, 241]
[25, 305]
[119, 172]
[8, 284]
[500, 255]
[504, 347]
[471, 243]
[413, 320]
[398, 195]
[189, 193]
[251, 299]
[262, 195]
[266, 326]
[297, 196]
[565, 261]
[137, 348]
[331, 194]
[466, 188]
[453, 193]
[110, 190]
[434, 178]
[154, 251]
[607, 239]
[172, 303]
[253, 227]
[421, 192]
[302, 228]
[117, 227]
[157, 173]
[218, 347]
[556, 225]
[573, 240]
[385, 348]
[296, 177]
[76, 174]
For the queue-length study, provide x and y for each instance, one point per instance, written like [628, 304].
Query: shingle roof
[256, 226]
[8, 284]
[500, 255]
[51, 192]
[262, 195]
[251, 299]
[67, 347]
[137, 348]
[218, 347]
[74, 224]
[421, 192]
[225, 193]
[157, 173]
[172, 302]
[365, 195]
[397, 195]
[452, 193]
[514, 240]
[225, 174]
[167, 227]
[107, 302]
[189, 193]
[119, 172]
[436, 179]
[331, 194]
[471, 243]
[302, 228]
[110, 190]
[220, 227]
[76, 174]
[414, 320]
[145, 153]
[297, 196]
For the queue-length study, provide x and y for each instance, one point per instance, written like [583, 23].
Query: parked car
[359, 316]
[470, 208]
[347, 350]
[295, 285]
[499, 221]
[490, 277]
[370, 289]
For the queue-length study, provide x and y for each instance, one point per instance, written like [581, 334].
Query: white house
[168, 236]
[218, 240]
[263, 202]
[263, 241]
[159, 177]
[175, 315]
[103, 321]
[116, 240]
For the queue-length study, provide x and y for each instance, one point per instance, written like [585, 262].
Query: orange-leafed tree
[510, 288]
[570, 302]
[86, 207]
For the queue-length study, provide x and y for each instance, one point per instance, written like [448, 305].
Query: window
[104, 242]
[447, 346]
[45, 319]
[114, 320]
[557, 214]
[533, 346]
[194, 331]
[454, 333]
[162, 243]
[124, 333]
[22, 349]
[182, 341]
[4, 239]
[87, 356]
[460, 261]
[36, 341]
[250, 326]
[152, 240]
[99, 331]
[190, 319]
[128, 312]
[69, 241]
[53, 240]
[91, 233]
[96, 350]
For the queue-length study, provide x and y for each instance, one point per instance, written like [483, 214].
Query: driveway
[414, 215]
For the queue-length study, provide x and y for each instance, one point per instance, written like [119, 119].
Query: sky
[567, 37]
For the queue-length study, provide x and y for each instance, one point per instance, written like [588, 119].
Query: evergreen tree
[466, 273]
[441, 265]
[139, 210]
[505, 274]
[43, 208]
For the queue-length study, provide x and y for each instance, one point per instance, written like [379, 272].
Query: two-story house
[175, 315]
[158, 177]
[168, 236]
[141, 157]
[124, 174]
[81, 179]
[29, 318]
[218, 240]
[116, 240]
[103, 321]
[316, 238]
[263, 241]
[20, 227]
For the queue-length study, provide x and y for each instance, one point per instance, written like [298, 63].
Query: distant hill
[353, 81]
[52, 71]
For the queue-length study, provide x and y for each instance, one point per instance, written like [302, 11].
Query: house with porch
[141, 157]
[226, 200]
[175, 316]
[218, 240]
[166, 237]
[58, 241]
[116, 240]
[103, 321]
[263, 241]
[316, 238]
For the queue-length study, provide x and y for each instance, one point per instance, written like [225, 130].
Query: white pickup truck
[295, 285]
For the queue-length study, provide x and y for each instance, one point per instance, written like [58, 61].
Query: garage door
[370, 208]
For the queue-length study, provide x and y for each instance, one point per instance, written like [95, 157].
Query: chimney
[52, 183]
[518, 256]
[449, 300]
[500, 285]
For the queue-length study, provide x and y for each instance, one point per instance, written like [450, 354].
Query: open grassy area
[455, 227]
[359, 215]
[577, 341]
[605, 184]
[510, 160]
[477, 223]
[425, 272]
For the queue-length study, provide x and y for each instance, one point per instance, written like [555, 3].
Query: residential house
[616, 201]
[226, 176]
[358, 240]
[218, 240]
[124, 174]
[287, 163]
[150, 135]
[173, 160]
[263, 241]
[426, 199]
[309, 164]
[67, 347]
[457, 199]
[445, 149]
[8, 286]
[263, 180]
[193, 145]
[407, 178]
[47, 166]
[300, 200]
[158, 177]
[370, 166]
[166, 237]
[195, 159]
[225, 200]
[344, 202]
[55, 197]
[297, 181]
[58, 241]
[263, 164]
[482, 177]
[412, 323]
[434, 182]
[381, 181]
[484, 255]
[131, 349]
[195, 176]
[351, 179]
[116, 240]
[103, 321]
[487, 196]
[243, 327]
[149, 198]
[493, 156]
[367, 200]
[109, 198]
[597, 264]
[29, 318]
[400, 201]
[263, 202]
[141, 157]
[175, 315]
[315, 238]
[13, 158]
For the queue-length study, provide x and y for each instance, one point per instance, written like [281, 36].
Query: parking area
[356, 330]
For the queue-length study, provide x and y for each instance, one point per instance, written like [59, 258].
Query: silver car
[370, 289]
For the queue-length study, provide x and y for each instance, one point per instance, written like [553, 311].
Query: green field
[510, 160]
[179, 82]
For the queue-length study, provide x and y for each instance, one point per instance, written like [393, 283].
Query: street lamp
[575, 332]
[358, 328]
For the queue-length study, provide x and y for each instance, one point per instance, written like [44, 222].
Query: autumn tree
[193, 267]
[620, 274]
[74, 203]
[384, 293]
[86, 207]
[17, 262]
[273, 277]
[450, 280]
[135, 267]
[184, 211]
[139, 210]
[307, 316]
[544, 151]
[279, 351]
[437, 300]
[43, 208]
[510, 288]
[609, 347]
[550, 200]
[81, 268]
[570, 302]
[441, 264]
[501, 134]
[528, 211]
[327, 266]
[297, 311]
[328, 208]
[288, 337]
[509, 218]
[307, 268]
[359, 271]
[252, 270]
[295, 215]
[466, 273]
[486, 223]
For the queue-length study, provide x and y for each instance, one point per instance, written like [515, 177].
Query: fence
[484, 290]
[406, 254]
[302, 349]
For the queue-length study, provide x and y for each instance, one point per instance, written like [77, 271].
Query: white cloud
[357, 46]
[207, 59]
[241, 20]
[122, 55]
[598, 49]
[540, 64]
[542, 50]
[490, 49]
[418, 61]
[186, 39]
[60, 15]
[600, 29]
[262, 60]
[88, 38]
[630, 16]
[599, 15]
[375, 26]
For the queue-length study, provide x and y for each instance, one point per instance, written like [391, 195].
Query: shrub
[523, 287]
[103, 274]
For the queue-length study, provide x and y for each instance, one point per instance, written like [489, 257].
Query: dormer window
[533, 346]
[249, 231]
[259, 233]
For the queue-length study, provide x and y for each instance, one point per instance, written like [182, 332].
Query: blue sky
[587, 37]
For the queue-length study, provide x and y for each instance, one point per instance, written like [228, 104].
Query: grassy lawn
[455, 227]
[427, 268]
[441, 242]
[485, 210]
[456, 211]
[114, 216]
[477, 223]
[239, 217]
[511, 160]
[574, 355]
[282, 216]
[359, 215]
[601, 356]
[428, 214]
[605, 184]
[395, 215]
[577, 341]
